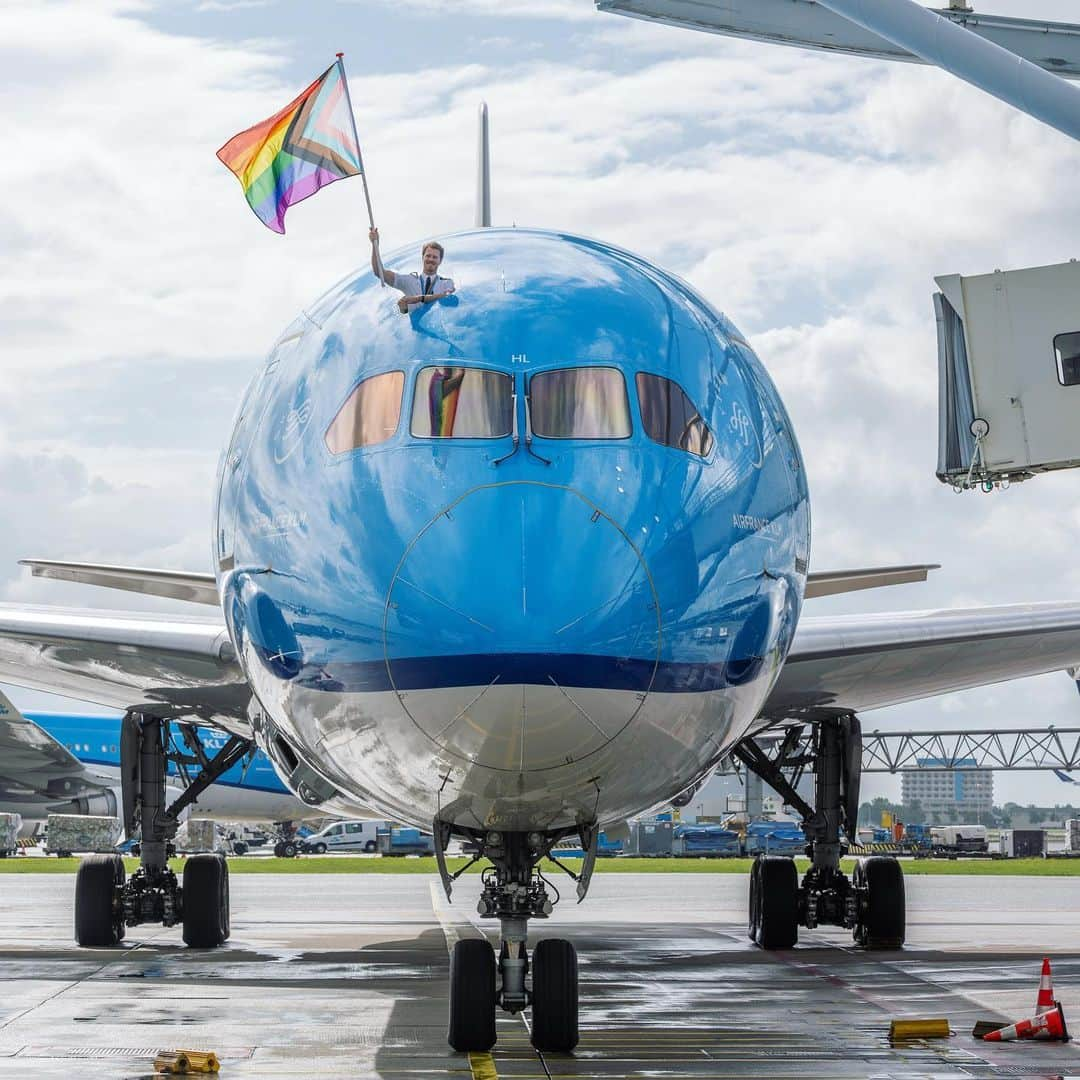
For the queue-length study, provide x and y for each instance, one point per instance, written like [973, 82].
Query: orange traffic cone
[1045, 1001]
[1049, 1025]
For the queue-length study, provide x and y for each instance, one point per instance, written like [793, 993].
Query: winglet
[174, 584]
[831, 582]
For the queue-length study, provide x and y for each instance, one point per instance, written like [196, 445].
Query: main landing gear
[871, 903]
[513, 892]
[105, 902]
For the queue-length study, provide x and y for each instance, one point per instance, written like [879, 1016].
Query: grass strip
[349, 864]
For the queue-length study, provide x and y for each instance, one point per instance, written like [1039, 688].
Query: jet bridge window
[579, 403]
[370, 414]
[670, 417]
[1067, 351]
[462, 403]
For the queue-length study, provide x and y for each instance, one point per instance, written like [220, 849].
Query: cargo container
[10, 824]
[404, 840]
[68, 833]
[705, 841]
[200, 834]
[774, 838]
[1072, 836]
[652, 838]
[1022, 843]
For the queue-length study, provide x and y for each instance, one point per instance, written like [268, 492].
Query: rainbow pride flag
[311, 143]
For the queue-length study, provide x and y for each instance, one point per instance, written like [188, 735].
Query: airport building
[959, 795]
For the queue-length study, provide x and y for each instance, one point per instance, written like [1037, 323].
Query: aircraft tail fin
[483, 171]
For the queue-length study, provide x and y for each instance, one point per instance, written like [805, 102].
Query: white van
[343, 836]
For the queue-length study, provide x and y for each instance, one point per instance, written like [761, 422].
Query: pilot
[422, 288]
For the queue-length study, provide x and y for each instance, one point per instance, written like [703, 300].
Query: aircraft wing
[25, 748]
[124, 659]
[858, 662]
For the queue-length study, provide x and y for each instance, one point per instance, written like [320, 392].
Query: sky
[812, 198]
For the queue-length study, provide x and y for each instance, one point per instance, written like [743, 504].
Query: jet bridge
[1009, 375]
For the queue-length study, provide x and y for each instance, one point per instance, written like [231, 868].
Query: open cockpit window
[370, 414]
[462, 403]
[1067, 350]
[579, 403]
[670, 417]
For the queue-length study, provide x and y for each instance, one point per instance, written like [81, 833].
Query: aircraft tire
[206, 902]
[555, 996]
[883, 924]
[777, 902]
[98, 922]
[754, 921]
[472, 996]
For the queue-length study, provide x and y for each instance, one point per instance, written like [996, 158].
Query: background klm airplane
[517, 566]
[65, 763]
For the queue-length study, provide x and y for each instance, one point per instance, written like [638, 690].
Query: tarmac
[346, 976]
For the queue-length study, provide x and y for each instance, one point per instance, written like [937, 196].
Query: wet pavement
[345, 976]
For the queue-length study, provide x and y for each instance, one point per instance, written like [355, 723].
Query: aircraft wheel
[206, 902]
[472, 996]
[777, 902]
[754, 921]
[99, 920]
[883, 916]
[555, 996]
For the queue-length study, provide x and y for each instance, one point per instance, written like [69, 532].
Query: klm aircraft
[64, 763]
[517, 566]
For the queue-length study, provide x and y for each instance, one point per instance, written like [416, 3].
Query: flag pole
[360, 161]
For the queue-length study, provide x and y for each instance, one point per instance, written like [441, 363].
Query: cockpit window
[670, 417]
[462, 403]
[579, 403]
[370, 414]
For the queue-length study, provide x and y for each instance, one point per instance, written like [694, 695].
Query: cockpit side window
[579, 403]
[370, 414]
[462, 403]
[670, 417]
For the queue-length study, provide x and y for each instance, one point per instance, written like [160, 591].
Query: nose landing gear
[514, 891]
[871, 903]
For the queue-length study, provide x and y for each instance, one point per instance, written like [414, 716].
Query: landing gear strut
[870, 903]
[514, 891]
[106, 903]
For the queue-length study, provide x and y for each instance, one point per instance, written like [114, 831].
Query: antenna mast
[483, 171]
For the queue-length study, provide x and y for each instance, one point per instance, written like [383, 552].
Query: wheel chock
[919, 1029]
[183, 1062]
[983, 1028]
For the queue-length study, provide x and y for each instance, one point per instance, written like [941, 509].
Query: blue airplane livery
[512, 563]
[55, 763]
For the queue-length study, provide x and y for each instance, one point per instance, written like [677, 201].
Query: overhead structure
[1027, 749]
[1010, 58]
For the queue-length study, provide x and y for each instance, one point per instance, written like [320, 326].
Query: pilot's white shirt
[415, 284]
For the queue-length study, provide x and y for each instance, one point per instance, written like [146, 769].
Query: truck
[959, 839]
[404, 840]
[352, 836]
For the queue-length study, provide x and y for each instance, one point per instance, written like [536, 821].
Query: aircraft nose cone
[522, 628]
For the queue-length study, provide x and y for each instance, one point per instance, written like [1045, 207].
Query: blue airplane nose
[522, 627]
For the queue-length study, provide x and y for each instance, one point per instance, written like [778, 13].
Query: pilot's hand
[373, 235]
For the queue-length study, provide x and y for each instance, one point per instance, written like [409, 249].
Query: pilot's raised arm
[422, 288]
